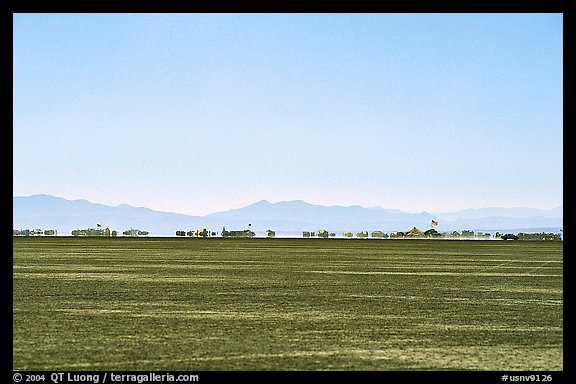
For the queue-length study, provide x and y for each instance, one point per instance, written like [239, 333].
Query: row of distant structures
[225, 233]
[88, 232]
[411, 233]
[34, 232]
[414, 233]
[321, 233]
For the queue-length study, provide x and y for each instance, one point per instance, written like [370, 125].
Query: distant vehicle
[509, 236]
[203, 232]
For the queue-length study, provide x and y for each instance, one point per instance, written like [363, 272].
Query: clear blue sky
[197, 113]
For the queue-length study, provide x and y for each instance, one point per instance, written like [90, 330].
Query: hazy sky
[197, 113]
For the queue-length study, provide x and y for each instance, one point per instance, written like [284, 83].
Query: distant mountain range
[49, 212]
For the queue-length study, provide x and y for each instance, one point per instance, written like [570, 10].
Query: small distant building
[379, 234]
[89, 232]
[242, 233]
[132, 232]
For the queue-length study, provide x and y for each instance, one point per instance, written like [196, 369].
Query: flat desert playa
[286, 304]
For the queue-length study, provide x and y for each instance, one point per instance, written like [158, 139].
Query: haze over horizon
[203, 113]
[268, 202]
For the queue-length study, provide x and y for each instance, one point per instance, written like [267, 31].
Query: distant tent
[434, 222]
[414, 232]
